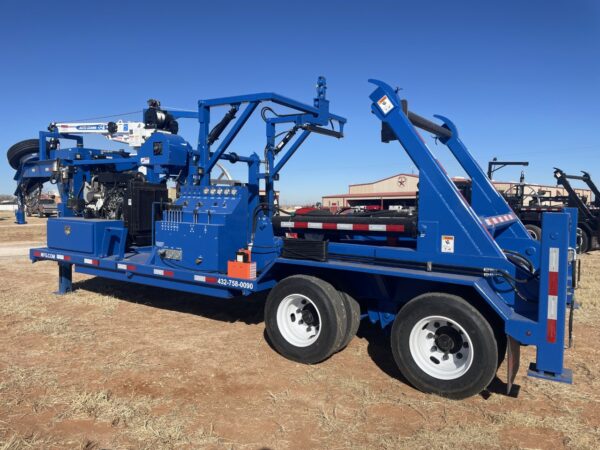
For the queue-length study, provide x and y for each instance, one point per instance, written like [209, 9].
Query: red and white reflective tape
[93, 262]
[548, 209]
[63, 257]
[163, 273]
[552, 295]
[205, 279]
[344, 226]
[495, 220]
[125, 267]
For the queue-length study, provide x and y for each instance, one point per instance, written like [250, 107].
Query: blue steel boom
[459, 285]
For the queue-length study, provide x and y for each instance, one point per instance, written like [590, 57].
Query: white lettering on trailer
[228, 282]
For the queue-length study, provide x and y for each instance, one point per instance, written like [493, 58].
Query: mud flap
[513, 358]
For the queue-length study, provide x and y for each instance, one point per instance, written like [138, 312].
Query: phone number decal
[235, 283]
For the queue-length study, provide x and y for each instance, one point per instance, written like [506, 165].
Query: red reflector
[300, 224]
[211, 279]
[551, 330]
[398, 228]
[553, 283]
[360, 227]
[330, 226]
[36, 253]
[168, 273]
[130, 267]
[67, 258]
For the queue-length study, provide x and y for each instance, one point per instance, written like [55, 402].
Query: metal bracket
[565, 377]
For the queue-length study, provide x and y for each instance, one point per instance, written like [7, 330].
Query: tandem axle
[459, 286]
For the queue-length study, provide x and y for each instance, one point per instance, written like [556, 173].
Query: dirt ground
[116, 365]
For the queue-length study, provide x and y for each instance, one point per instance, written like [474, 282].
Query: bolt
[465, 345]
[445, 357]
[300, 322]
[434, 349]
[298, 311]
[436, 324]
[304, 302]
[430, 336]
[459, 355]
[308, 328]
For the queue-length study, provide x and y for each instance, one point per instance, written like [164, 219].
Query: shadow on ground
[380, 352]
[238, 309]
[249, 310]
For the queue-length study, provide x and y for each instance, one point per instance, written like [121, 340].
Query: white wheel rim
[298, 320]
[441, 347]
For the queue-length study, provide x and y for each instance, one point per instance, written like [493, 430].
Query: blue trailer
[458, 286]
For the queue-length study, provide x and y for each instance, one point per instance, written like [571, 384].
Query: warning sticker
[447, 244]
[385, 104]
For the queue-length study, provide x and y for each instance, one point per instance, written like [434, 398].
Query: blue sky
[521, 79]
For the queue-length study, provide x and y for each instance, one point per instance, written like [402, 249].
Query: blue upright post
[20, 216]
[552, 302]
[65, 278]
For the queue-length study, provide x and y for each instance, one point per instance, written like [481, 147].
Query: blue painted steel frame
[478, 247]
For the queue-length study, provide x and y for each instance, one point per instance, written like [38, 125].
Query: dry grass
[114, 366]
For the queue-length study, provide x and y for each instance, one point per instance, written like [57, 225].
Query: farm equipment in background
[458, 286]
[538, 202]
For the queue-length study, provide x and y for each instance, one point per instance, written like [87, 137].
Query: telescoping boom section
[458, 286]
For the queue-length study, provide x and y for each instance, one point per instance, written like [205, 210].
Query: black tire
[20, 150]
[534, 231]
[352, 319]
[484, 359]
[327, 302]
[583, 241]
